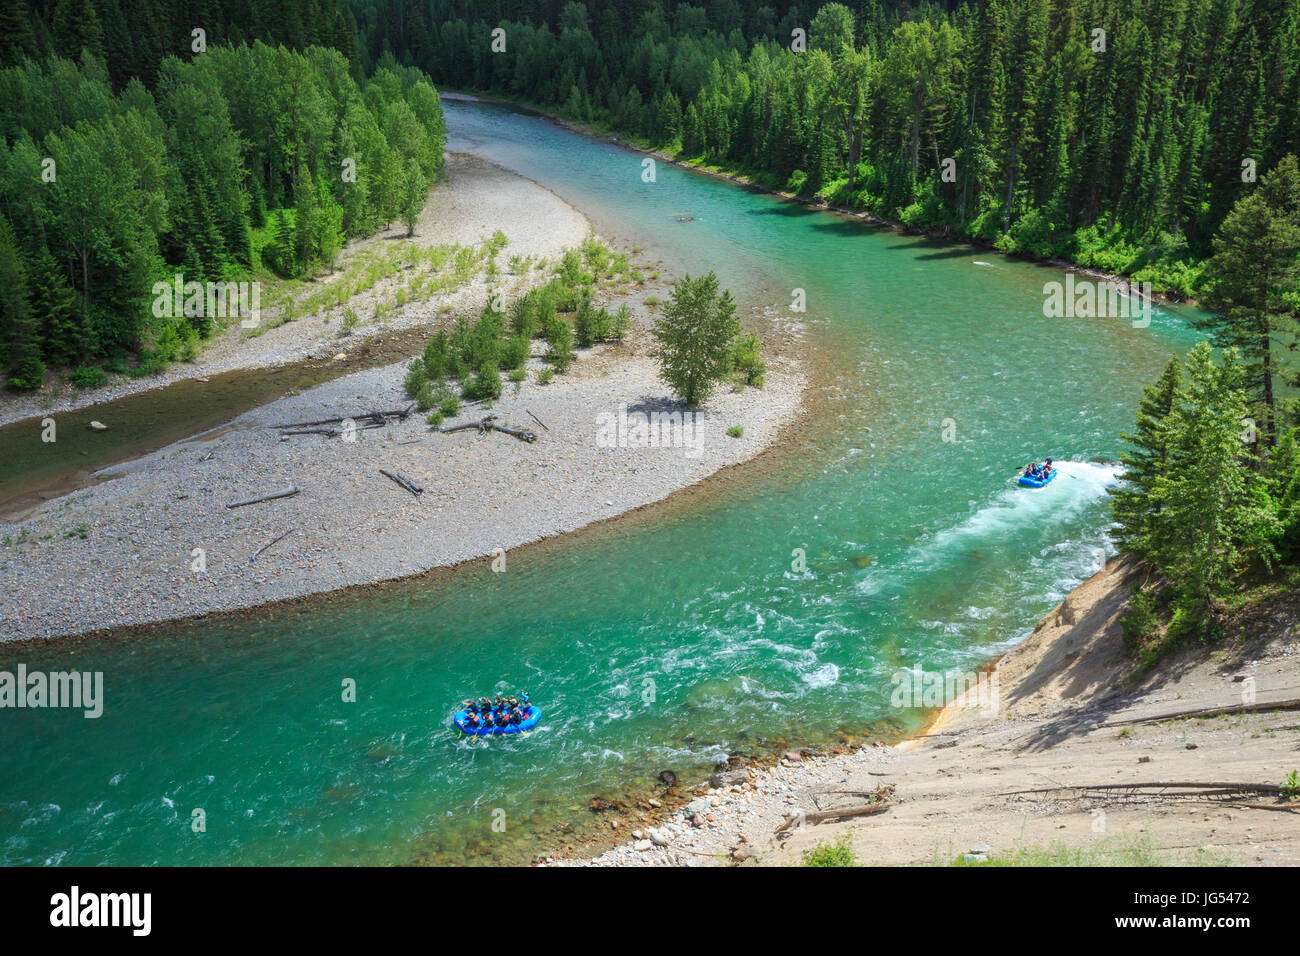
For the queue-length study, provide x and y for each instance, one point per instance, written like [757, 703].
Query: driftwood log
[288, 492]
[879, 801]
[329, 432]
[844, 813]
[402, 480]
[486, 425]
[270, 544]
[401, 414]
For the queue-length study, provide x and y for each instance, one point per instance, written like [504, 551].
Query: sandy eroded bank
[1070, 714]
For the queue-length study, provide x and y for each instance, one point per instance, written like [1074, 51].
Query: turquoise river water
[661, 643]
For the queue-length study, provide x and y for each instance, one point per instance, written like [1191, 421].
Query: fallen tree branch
[1292, 703]
[485, 425]
[274, 541]
[402, 480]
[821, 816]
[536, 419]
[288, 492]
[399, 413]
[331, 432]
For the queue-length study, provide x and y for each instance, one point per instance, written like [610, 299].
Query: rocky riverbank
[1074, 762]
[160, 541]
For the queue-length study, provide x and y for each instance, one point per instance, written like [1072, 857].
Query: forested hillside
[133, 37]
[1117, 133]
[124, 163]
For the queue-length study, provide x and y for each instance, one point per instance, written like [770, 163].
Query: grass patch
[1112, 851]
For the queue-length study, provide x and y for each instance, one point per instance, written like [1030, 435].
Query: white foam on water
[1076, 486]
[824, 676]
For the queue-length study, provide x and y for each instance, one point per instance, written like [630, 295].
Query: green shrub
[450, 405]
[571, 273]
[483, 341]
[437, 357]
[518, 375]
[542, 310]
[434, 419]
[1291, 786]
[735, 431]
[596, 255]
[484, 383]
[544, 375]
[523, 315]
[747, 360]
[29, 375]
[560, 339]
[1139, 621]
[515, 352]
[838, 853]
[619, 323]
[424, 398]
[148, 362]
[590, 324]
[417, 377]
[88, 376]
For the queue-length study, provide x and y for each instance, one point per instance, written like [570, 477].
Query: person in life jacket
[471, 720]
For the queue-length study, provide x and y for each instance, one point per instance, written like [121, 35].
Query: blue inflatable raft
[531, 719]
[1038, 482]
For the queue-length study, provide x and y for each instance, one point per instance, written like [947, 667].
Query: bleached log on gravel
[404, 481]
[288, 492]
[401, 414]
[486, 425]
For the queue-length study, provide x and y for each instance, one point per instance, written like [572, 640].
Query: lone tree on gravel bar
[695, 334]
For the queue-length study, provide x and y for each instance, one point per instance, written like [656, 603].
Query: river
[772, 612]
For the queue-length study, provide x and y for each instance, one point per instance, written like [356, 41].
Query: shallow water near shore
[34, 471]
[773, 615]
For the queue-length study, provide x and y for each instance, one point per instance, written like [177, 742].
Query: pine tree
[1208, 511]
[1253, 282]
[1143, 462]
[19, 342]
